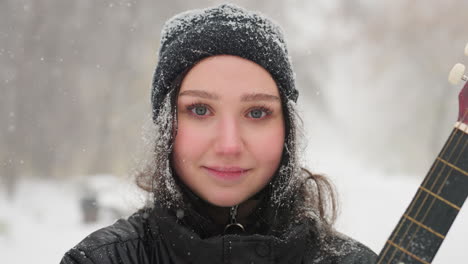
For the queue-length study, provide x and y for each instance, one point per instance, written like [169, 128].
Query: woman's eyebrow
[198, 93]
[259, 97]
[245, 98]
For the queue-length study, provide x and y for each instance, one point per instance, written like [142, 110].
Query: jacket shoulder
[112, 244]
[341, 249]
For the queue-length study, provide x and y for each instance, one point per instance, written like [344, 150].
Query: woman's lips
[226, 173]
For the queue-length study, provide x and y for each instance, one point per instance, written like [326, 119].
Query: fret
[418, 240]
[456, 152]
[388, 252]
[423, 226]
[454, 188]
[445, 151]
[434, 213]
[451, 141]
[418, 259]
[407, 243]
[440, 198]
[452, 166]
[447, 182]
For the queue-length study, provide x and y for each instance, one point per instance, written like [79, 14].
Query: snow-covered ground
[45, 221]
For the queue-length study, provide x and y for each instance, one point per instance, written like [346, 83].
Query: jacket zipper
[234, 227]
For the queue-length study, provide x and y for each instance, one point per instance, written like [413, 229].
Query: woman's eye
[199, 110]
[258, 113]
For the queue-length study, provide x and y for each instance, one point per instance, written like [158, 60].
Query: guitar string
[400, 225]
[414, 233]
[444, 166]
[418, 209]
[448, 174]
[395, 250]
[441, 186]
[417, 196]
[396, 233]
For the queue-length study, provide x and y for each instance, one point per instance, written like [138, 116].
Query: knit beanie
[226, 29]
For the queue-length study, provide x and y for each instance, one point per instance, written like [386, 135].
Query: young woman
[226, 179]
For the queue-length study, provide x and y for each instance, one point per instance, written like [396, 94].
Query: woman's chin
[225, 200]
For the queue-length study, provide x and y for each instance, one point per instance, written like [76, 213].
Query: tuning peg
[457, 73]
[466, 49]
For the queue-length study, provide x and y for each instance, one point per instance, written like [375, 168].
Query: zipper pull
[233, 213]
[233, 227]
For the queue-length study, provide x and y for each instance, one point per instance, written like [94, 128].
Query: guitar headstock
[456, 75]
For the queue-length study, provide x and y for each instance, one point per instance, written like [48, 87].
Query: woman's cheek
[192, 137]
[268, 143]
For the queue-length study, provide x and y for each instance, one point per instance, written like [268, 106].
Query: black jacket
[158, 238]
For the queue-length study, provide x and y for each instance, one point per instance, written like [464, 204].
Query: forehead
[227, 75]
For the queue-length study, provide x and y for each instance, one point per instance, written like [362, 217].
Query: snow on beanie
[226, 29]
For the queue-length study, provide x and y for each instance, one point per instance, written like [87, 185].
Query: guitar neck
[427, 220]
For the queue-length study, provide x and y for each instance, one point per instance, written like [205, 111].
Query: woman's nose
[228, 137]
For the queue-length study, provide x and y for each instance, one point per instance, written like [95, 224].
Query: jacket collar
[188, 247]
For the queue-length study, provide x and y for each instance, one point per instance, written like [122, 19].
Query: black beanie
[226, 29]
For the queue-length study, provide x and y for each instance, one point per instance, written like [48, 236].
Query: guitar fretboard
[424, 225]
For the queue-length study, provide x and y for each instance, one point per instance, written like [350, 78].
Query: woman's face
[230, 132]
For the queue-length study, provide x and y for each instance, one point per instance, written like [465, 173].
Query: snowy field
[45, 221]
